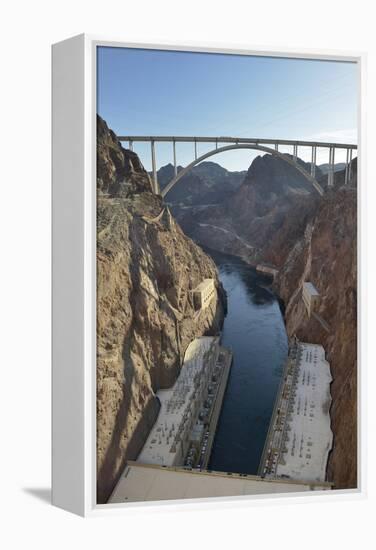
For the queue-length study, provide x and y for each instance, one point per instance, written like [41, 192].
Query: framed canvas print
[205, 274]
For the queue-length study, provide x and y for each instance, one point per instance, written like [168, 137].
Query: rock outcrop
[146, 270]
[324, 252]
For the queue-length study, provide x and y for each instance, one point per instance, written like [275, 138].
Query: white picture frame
[74, 274]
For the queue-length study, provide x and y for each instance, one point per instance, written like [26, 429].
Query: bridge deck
[225, 139]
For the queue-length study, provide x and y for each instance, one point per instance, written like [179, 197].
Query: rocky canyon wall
[325, 253]
[146, 270]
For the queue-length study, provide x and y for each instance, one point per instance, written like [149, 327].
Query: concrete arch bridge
[222, 144]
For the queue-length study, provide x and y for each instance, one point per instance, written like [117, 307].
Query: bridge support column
[130, 145]
[154, 168]
[175, 165]
[195, 150]
[331, 167]
[350, 167]
[347, 167]
[313, 162]
[276, 146]
[295, 152]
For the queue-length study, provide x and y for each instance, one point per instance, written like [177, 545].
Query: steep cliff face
[324, 252]
[146, 269]
[271, 192]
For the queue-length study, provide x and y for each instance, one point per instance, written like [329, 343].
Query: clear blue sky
[153, 92]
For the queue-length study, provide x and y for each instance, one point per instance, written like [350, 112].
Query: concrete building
[140, 483]
[310, 297]
[204, 293]
[300, 437]
[181, 405]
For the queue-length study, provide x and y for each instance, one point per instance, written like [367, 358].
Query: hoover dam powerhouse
[248, 413]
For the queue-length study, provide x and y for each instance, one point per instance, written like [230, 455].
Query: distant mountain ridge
[337, 167]
[245, 221]
[208, 182]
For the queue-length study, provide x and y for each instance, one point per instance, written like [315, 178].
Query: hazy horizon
[156, 92]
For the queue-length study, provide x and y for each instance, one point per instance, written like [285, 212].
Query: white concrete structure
[140, 482]
[300, 437]
[310, 297]
[168, 441]
[204, 293]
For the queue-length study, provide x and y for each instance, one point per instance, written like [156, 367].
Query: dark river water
[255, 331]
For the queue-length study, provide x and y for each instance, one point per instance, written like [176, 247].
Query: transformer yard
[300, 437]
[173, 462]
[187, 420]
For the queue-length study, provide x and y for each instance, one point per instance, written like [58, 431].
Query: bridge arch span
[256, 146]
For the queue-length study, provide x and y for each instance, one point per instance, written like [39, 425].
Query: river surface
[255, 331]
